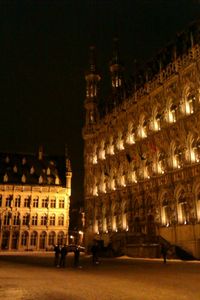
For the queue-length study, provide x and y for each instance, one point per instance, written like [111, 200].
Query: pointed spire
[92, 60]
[40, 152]
[116, 71]
[115, 57]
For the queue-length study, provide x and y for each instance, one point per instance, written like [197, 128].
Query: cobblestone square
[32, 276]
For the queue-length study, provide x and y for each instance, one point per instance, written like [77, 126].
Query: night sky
[44, 56]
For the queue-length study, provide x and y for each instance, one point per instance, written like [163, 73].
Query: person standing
[57, 255]
[94, 251]
[76, 257]
[63, 253]
[164, 252]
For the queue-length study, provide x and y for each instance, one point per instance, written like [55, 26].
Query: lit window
[34, 220]
[53, 203]
[52, 221]
[24, 238]
[27, 202]
[17, 201]
[16, 220]
[35, 202]
[45, 203]
[61, 220]
[33, 239]
[43, 220]
[61, 203]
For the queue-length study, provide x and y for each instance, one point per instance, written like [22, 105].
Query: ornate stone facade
[142, 157]
[34, 201]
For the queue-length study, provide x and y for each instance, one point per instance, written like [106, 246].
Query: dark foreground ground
[32, 276]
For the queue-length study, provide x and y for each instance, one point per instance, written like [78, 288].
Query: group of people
[61, 253]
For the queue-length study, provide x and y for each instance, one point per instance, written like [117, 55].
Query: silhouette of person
[63, 253]
[94, 251]
[57, 255]
[164, 252]
[76, 257]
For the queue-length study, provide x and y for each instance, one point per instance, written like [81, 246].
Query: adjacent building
[142, 151]
[34, 201]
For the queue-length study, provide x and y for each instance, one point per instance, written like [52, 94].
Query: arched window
[142, 128]
[34, 220]
[124, 217]
[189, 104]
[16, 220]
[35, 202]
[24, 238]
[33, 239]
[15, 238]
[198, 207]
[183, 217]
[43, 221]
[171, 114]
[119, 141]
[17, 201]
[6, 220]
[166, 212]
[104, 219]
[52, 237]
[110, 147]
[43, 240]
[94, 155]
[52, 220]
[114, 218]
[155, 120]
[61, 220]
[102, 152]
[60, 238]
[130, 137]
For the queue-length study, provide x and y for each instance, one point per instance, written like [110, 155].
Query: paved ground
[33, 277]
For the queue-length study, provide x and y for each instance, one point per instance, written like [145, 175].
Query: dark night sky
[44, 54]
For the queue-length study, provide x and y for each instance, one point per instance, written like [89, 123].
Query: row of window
[33, 220]
[41, 240]
[28, 202]
[169, 216]
[133, 133]
[41, 179]
[123, 174]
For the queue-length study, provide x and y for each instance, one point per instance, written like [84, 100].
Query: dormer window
[7, 159]
[5, 178]
[48, 171]
[40, 179]
[57, 180]
[32, 170]
[23, 178]
[15, 169]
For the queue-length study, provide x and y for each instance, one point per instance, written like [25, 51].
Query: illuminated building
[142, 152]
[34, 201]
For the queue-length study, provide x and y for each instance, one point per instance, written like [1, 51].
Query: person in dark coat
[76, 256]
[163, 251]
[63, 253]
[94, 251]
[57, 255]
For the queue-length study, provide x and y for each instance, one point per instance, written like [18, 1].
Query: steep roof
[28, 169]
